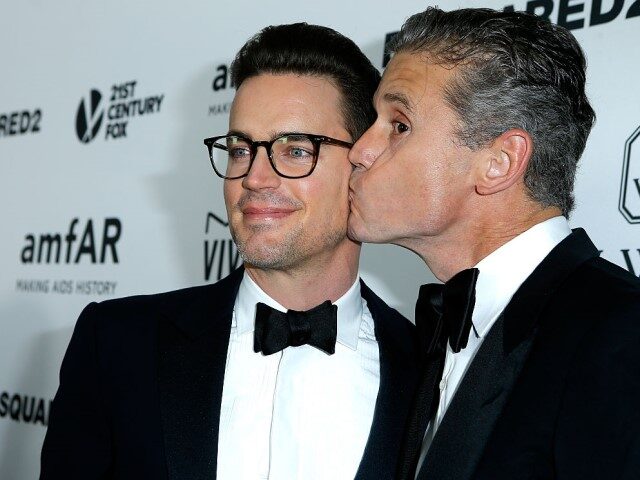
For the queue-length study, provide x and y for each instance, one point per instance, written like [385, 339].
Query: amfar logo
[629, 204]
[121, 107]
[80, 244]
[72, 247]
[222, 78]
[220, 253]
[221, 82]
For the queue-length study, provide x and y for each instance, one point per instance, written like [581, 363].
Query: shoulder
[140, 307]
[599, 305]
[599, 289]
[143, 311]
[611, 299]
[598, 269]
[602, 382]
[138, 304]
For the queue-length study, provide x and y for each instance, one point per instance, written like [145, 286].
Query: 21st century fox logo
[115, 111]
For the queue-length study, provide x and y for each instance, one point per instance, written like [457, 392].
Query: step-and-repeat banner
[106, 188]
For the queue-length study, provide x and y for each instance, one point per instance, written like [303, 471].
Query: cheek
[326, 201]
[388, 185]
[231, 192]
[398, 188]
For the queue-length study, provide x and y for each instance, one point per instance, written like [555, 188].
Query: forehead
[268, 104]
[411, 80]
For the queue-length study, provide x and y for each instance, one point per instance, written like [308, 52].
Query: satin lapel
[192, 351]
[460, 440]
[398, 375]
[470, 418]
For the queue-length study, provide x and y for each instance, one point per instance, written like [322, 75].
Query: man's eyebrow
[397, 97]
[272, 135]
[238, 133]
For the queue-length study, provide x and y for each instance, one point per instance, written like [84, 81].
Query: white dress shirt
[299, 413]
[501, 274]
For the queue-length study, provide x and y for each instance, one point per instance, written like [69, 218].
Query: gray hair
[517, 71]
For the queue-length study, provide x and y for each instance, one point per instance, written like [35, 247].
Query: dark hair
[305, 49]
[517, 71]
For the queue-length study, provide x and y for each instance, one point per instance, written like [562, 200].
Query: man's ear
[504, 162]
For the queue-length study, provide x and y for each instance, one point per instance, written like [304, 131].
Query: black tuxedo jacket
[141, 386]
[554, 390]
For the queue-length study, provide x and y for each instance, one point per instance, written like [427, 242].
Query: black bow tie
[445, 311]
[275, 330]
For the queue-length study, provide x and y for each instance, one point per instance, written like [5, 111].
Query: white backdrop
[106, 189]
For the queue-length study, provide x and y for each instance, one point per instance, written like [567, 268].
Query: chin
[267, 250]
[360, 232]
[263, 258]
[357, 232]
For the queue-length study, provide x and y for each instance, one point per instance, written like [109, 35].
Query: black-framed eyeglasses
[292, 155]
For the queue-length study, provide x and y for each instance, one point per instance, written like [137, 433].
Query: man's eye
[299, 152]
[399, 127]
[239, 153]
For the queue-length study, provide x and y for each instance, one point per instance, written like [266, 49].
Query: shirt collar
[504, 270]
[349, 305]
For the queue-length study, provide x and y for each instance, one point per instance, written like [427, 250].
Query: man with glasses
[291, 367]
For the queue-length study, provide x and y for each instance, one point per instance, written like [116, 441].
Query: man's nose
[366, 150]
[261, 174]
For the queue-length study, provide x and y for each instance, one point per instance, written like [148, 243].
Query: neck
[306, 285]
[447, 255]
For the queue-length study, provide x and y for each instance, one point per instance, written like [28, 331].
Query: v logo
[89, 117]
[213, 216]
[627, 260]
[214, 251]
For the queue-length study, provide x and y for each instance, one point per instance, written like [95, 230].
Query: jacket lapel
[192, 351]
[476, 406]
[398, 375]
[461, 438]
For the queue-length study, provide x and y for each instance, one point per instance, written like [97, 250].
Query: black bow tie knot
[275, 330]
[444, 312]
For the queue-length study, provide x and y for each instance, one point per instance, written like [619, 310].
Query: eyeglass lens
[292, 155]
